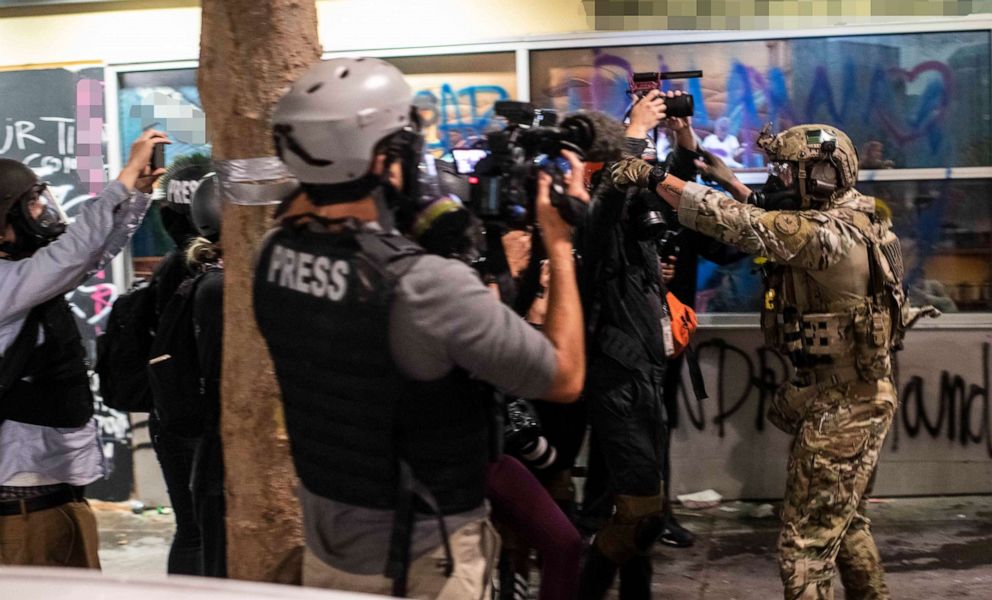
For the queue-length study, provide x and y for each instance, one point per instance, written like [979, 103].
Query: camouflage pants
[824, 527]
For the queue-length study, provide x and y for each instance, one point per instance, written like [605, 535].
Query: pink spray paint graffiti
[89, 134]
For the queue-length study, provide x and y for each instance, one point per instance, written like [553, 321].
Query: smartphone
[467, 158]
[158, 158]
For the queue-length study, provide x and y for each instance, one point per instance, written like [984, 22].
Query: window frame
[522, 48]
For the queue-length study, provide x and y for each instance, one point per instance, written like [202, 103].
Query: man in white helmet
[377, 345]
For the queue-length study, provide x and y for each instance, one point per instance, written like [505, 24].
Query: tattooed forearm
[670, 189]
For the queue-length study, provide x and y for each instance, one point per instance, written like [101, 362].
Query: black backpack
[174, 366]
[122, 351]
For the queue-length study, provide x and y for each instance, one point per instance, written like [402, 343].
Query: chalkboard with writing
[52, 120]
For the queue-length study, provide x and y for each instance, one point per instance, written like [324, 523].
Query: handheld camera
[680, 106]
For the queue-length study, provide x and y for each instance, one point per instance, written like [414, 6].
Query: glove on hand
[713, 169]
[630, 171]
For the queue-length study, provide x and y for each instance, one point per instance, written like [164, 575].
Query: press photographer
[389, 435]
[679, 252]
[544, 436]
[624, 299]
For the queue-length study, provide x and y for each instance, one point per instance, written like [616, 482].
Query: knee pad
[633, 528]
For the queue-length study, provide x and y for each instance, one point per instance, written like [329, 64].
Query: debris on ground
[700, 500]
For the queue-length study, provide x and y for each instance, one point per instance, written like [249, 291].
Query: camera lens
[651, 225]
[539, 453]
[679, 106]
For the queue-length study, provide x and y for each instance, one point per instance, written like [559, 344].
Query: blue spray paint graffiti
[458, 114]
[867, 98]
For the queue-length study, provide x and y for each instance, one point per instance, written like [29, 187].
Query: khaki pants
[63, 536]
[474, 547]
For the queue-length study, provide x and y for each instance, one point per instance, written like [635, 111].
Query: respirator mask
[422, 209]
[37, 219]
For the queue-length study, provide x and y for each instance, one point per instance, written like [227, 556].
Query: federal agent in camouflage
[834, 304]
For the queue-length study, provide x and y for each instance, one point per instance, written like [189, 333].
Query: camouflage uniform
[834, 305]
[819, 304]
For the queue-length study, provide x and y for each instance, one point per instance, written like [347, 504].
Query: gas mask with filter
[422, 207]
[28, 206]
[808, 165]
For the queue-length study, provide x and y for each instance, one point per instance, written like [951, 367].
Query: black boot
[598, 573]
[635, 579]
[675, 535]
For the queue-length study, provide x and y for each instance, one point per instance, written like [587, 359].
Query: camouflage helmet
[814, 148]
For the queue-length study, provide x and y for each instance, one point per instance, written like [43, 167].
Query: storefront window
[906, 100]
[909, 101]
[946, 232]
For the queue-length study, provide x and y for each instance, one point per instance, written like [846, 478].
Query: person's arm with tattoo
[810, 240]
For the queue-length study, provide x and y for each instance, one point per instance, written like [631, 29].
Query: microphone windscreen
[608, 136]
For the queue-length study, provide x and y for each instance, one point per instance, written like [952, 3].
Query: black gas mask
[790, 187]
[37, 219]
[422, 208]
[776, 195]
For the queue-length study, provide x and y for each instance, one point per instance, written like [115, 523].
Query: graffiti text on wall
[745, 383]
[961, 412]
[450, 115]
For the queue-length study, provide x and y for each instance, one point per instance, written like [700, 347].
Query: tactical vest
[841, 323]
[355, 422]
[46, 384]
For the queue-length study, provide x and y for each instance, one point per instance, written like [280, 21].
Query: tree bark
[250, 52]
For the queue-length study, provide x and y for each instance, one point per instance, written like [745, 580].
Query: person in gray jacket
[49, 447]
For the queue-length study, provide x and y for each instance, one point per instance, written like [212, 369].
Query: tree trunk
[250, 51]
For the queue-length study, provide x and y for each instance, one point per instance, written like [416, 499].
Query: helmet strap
[804, 199]
[342, 193]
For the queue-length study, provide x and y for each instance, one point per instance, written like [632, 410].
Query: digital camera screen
[466, 159]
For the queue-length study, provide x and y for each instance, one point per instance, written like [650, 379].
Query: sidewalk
[934, 548]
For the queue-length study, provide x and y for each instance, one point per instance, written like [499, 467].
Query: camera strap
[409, 490]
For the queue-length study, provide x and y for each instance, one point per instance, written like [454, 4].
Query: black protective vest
[46, 385]
[322, 303]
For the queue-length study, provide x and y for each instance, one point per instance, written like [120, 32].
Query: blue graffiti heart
[932, 106]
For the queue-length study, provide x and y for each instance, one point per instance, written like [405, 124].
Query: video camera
[503, 177]
[679, 106]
